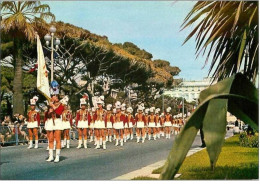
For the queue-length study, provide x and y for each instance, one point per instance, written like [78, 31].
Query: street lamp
[49, 38]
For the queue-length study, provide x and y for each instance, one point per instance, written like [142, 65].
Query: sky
[151, 25]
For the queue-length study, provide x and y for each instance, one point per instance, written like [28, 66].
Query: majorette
[130, 122]
[140, 123]
[33, 123]
[146, 116]
[82, 122]
[123, 108]
[53, 122]
[168, 122]
[109, 122]
[119, 123]
[162, 121]
[99, 123]
[67, 122]
[91, 126]
[151, 124]
[157, 122]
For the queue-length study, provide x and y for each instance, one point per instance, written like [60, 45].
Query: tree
[233, 39]
[20, 20]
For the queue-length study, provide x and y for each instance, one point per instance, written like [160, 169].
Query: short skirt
[119, 125]
[130, 125]
[175, 125]
[109, 125]
[140, 124]
[83, 124]
[167, 124]
[32, 125]
[91, 126]
[99, 125]
[57, 125]
[66, 124]
[151, 124]
[158, 125]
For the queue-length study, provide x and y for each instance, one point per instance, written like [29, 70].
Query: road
[19, 163]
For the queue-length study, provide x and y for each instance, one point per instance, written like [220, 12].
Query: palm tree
[20, 20]
[228, 32]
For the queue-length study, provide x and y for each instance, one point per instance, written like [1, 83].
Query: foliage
[248, 141]
[144, 178]
[235, 162]
[232, 35]
[236, 95]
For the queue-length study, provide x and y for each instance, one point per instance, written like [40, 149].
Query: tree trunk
[18, 78]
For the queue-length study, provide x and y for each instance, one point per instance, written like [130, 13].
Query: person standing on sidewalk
[33, 123]
[82, 123]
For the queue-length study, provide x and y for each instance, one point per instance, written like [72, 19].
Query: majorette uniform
[175, 125]
[146, 121]
[82, 122]
[119, 124]
[157, 122]
[168, 122]
[91, 126]
[67, 123]
[151, 124]
[162, 121]
[33, 122]
[130, 122]
[140, 123]
[109, 121]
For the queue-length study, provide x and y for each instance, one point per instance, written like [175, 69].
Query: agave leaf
[214, 127]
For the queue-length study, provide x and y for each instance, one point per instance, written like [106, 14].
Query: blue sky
[151, 25]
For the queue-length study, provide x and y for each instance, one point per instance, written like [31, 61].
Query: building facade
[190, 90]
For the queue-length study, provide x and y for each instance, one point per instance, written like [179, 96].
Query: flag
[180, 105]
[42, 73]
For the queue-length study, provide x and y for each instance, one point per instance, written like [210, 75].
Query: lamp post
[49, 38]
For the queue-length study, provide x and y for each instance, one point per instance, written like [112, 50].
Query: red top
[162, 120]
[59, 109]
[129, 118]
[120, 117]
[99, 115]
[34, 116]
[157, 119]
[109, 118]
[140, 117]
[67, 116]
[151, 118]
[168, 117]
[83, 115]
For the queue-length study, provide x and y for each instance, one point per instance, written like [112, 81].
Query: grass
[144, 178]
[235, 162]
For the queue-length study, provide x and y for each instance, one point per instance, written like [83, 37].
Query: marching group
[100, 123]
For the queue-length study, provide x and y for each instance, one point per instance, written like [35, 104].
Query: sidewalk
[147, 170]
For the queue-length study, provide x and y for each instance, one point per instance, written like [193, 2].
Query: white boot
[169, 135]
[121, 142]
[106, 138]
[79, 145]
[138, 139]
[30, 144]
[162, 134]
[110, 138]
[124, 139]
[98, 146]
[57, 158]
[54, 145]
[62, 144]
[36, 144]
[50, 156]
[116, 142]
[68, 144]
[132, 136]
[128, 137]
[149, 137]
[100, 141]
[114, 137]
[47, 149]
[143, 139]
[91, 139]
[95, 140]
[65, 142]
[104, 145]
[158, 135]
[85, 144]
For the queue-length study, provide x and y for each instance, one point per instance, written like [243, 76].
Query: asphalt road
[19, 163]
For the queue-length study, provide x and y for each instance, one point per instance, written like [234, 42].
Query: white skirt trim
[83, 124]
[167, 124]
[58, 124]
[109, 125]
[119, 125]
[99, 125]
[151, 124]
[31, 125]
[130, 125]
[66, 124]
[91, 126]
[140, 124]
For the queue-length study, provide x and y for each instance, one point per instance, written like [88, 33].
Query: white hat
[162, 114]
[109, 106]
[152, 109]
[100, 100]
[114, 110]
[83, 101]
[93, 109]
[146, 111]
[65, 100]
[168, 109]
[140, 108]
[157, 110]
[129, 109]
[34, 100]
[118, 104]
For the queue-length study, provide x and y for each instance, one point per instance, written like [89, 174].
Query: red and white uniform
[151, 121]
[119, 122]
[168, 120]
[33, 119]
[83, 118]
[157, 121]
[109, 120]
[99, 119]
[53, 119]
[66, 119]
[129, 121]
[140, 120]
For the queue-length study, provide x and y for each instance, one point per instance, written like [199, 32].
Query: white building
[190, 90]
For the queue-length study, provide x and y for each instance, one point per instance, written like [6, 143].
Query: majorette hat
[114, 110]
[100, 100]
[157, 110]
[168, 109]
[141, 106]
[34, 100]
[93, 109]
[109, 107]
[162, 114]
[152, 109]
[118, 105]
[123, 107]
[83, 101]
[146, 111]
[129, 109]
[54, 88]
[65, 100]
